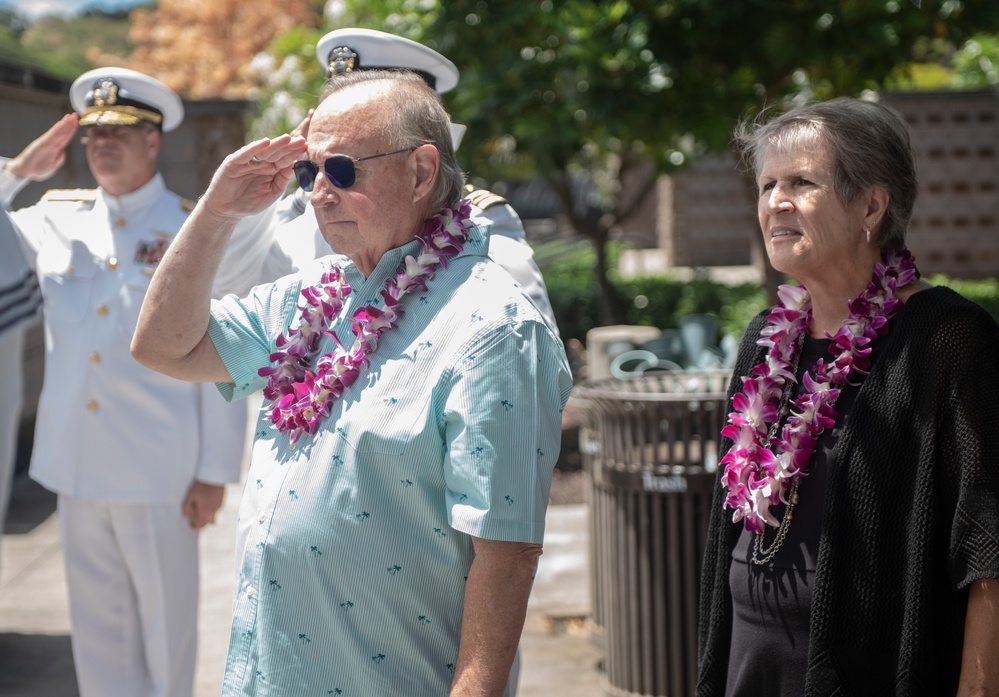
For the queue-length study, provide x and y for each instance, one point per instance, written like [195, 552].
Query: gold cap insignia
[105, 92]
[341, 60]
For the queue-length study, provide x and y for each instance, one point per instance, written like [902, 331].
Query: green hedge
[985, 292]
[662, 301]
[655, 301]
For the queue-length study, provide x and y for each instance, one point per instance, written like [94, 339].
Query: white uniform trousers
[11, 398]
[132, 574]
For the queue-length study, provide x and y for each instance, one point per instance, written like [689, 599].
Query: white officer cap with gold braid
[123, 97]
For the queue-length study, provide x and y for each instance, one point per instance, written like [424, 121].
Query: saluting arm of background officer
[45, 154]
[171, 336]
[39, 160]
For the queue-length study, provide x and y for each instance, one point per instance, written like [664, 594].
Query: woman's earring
[868, 235]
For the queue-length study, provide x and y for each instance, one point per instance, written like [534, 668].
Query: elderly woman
[854, 542]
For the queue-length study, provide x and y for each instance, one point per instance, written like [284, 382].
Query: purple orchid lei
[756, 477]
[302, 398]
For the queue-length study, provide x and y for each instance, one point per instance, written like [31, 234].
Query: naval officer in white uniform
[138, 460]
[344, 50]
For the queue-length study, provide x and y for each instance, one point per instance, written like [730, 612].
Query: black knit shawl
[911, 516]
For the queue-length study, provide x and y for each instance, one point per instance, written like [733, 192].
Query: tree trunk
[610, 304]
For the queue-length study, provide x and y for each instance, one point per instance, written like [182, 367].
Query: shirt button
[92, 405]
[113, 263]
[102, 310]
[95, 357]
[120, 222]
[262, 519]
[250, 591]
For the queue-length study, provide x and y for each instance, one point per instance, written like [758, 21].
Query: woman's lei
[303, 398]
[756, 477]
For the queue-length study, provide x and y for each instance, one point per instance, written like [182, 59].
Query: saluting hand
[253, 177]
[45, 154]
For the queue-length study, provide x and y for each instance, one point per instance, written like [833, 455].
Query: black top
[910, 518]
[771, 602]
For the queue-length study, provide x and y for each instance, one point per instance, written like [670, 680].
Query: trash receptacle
[649, 448]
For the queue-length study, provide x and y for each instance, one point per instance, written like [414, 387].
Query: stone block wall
[705, 215]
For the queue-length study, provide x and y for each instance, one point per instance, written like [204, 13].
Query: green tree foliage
[13, 22]
[594, 89]
[62, 46]
[976, 65]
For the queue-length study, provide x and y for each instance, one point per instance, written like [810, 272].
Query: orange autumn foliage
[203, 49]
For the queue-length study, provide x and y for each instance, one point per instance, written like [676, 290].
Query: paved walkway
[559, 659]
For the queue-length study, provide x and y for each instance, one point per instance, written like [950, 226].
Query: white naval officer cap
[123, 97]
[344, 50]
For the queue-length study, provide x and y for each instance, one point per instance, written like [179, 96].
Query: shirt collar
[477, 245]
[143, 197]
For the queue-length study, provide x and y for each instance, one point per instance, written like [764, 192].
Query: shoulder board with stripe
[482, 198]
[70, 195]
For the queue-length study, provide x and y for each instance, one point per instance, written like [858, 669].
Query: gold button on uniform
[102, 310]
[91, 405]
[95, 357]
[113, 263]
[120, 222]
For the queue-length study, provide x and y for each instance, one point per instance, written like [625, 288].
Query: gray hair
[870, 145]
[416, 118]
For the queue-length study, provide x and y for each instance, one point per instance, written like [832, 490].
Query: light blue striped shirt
[353, 548]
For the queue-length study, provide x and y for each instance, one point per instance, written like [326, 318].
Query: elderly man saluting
[395, 505]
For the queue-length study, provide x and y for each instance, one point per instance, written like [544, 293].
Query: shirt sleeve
[503, 426]
[973, 443]
[10, 185]
[223, 437]
[246, 255]
[244, 331]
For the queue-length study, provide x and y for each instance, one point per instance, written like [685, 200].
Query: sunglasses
[339, 169]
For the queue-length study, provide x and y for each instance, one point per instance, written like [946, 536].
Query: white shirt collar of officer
[135, 201]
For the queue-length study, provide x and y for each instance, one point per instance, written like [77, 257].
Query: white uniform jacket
[108, 428]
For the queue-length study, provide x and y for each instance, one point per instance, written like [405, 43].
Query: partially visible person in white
[299, 239]
[138, 460]
[20, 307]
